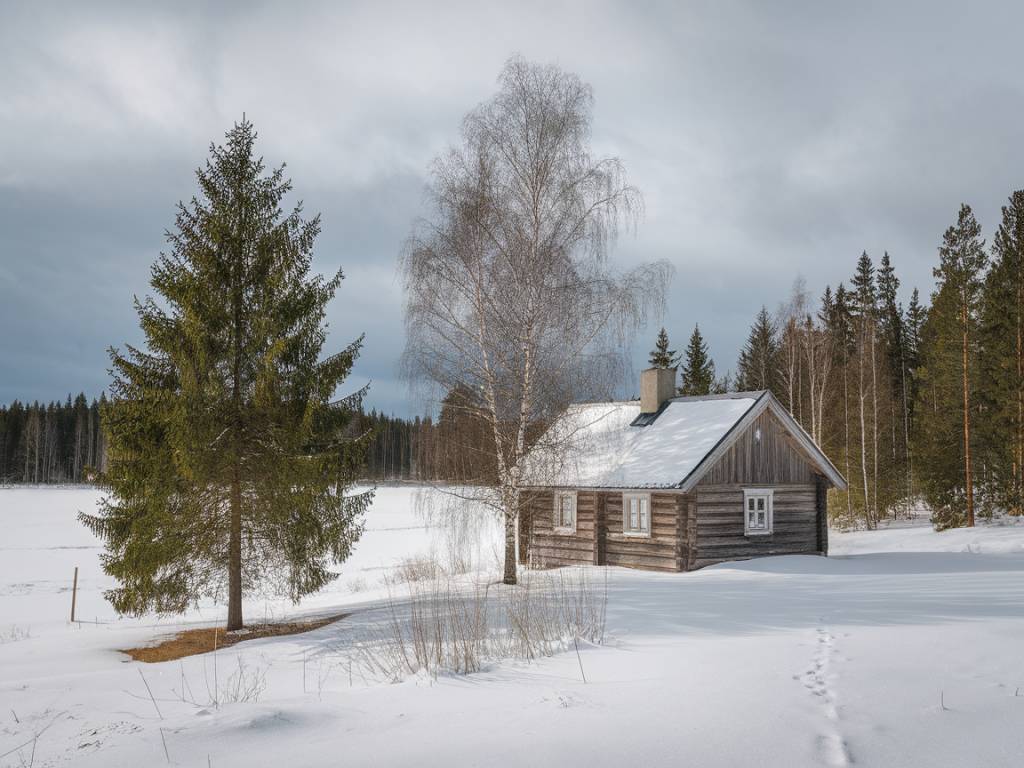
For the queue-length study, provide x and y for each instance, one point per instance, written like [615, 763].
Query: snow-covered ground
[904, 648]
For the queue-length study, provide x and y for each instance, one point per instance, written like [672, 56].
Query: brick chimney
[656, 386]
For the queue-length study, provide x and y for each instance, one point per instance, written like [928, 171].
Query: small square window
[565, 511]
[758, 505]
[636, 514]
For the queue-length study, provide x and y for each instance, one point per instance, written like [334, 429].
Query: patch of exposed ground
[206, 639]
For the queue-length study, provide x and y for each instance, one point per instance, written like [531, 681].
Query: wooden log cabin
[675, 483]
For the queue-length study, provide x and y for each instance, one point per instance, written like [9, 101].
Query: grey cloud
[769, 139]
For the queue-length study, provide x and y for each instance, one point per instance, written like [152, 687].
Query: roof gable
[605, 445]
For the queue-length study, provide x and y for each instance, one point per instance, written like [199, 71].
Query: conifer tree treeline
[917, 405]
[1000, 421]
[457, 447]
[57, 442]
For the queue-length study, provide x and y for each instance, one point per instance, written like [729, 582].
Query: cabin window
[636, 514]
[565, 511]
[757, 511]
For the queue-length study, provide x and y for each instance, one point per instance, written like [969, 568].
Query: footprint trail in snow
[830, 745]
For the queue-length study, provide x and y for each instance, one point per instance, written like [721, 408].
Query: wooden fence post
[74, 595]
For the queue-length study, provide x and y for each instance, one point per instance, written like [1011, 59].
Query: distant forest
[61, 442]
[51, 443]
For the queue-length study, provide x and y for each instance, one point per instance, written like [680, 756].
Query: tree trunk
[874, 426]
[906, 427]
[1018, 454]
[511, 568]
[235, 533]
[861, 397]
[968, 482]
[235, 556]
[846, 431]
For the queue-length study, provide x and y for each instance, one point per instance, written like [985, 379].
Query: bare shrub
[456, 626]
[14, 633]
[244, 684]
[413, 569]
[551, 610]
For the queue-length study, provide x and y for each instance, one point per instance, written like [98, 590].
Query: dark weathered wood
[774, 459]
[601, 529]
[630, 545]
[598, 537]
[525, 529]
[691, 531]
[822, 510]
[551, 548]
[680, 533]
[720, 532]
[642, 562]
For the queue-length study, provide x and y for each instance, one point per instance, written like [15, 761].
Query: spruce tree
[891, 319]
[758, 366]
[914, 322]
[227, 464]
[1001, 363]
[699, 370]
[915, 317]
[893, 332]
[948, 375]
[840, 326]
[828, 306]
[661, 356]
[865, 306]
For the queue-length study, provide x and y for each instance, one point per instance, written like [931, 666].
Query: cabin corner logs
[695, 529]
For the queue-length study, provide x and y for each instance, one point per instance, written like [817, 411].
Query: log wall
[661, 551]
[598, 538]
[822, 508]
[720, 531]
[550, 548]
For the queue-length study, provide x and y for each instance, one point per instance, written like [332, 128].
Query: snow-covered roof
[597, 445]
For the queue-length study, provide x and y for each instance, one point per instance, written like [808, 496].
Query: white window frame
[751, 523]
[639, 530]
[557, 517]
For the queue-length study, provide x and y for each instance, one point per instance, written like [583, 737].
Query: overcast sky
[770, 140]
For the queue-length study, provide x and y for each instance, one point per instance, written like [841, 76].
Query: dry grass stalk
[455, 626]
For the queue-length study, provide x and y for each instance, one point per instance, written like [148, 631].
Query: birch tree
[818, 358]
[790, 318]
[509, 292]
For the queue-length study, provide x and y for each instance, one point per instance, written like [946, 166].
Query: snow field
[902, 649]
